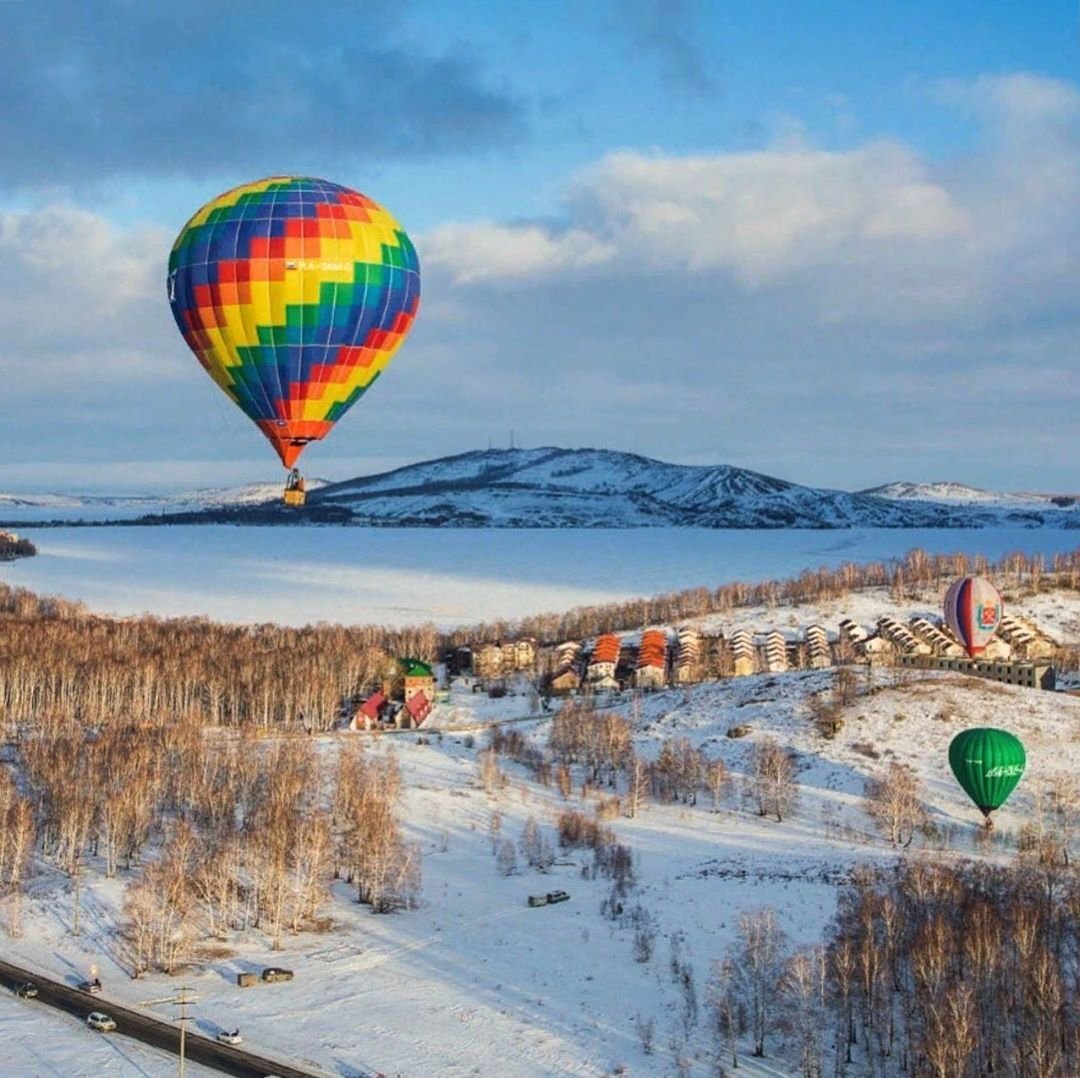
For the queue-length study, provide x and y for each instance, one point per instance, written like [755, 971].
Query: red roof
[606, 649]
[370, 707]
[653, 650]
[418, 706]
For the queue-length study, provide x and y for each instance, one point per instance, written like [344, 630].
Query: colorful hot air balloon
[988, 764]
[973, 610]
[294, 294]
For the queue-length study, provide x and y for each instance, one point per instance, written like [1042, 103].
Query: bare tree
[759, 966]
[772, 779]
[894, 803]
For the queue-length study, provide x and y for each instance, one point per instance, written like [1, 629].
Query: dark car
[26, 990]
[93, 987]
[557, 896]
[276, 973]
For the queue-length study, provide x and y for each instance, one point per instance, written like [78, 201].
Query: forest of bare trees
[944, 971]
[248, 832]
[58, 665]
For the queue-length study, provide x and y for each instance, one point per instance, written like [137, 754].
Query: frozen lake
[449, 576]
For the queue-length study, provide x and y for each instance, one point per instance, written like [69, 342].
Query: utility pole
[183, 1001]
[78, 881]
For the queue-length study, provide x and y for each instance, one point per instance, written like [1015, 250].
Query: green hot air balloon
[988, 763]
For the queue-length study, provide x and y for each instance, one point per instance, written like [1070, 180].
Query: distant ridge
[583, 488]
[959, 494]
[553, 487]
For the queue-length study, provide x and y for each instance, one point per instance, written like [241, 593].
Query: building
[416, 710]
[853, 637]
[418, 678]
[651, 672]
[744, 653]
[487, 661]
[818, 652]
[776, 661]
[940, 642]
[1025, 638]
[564, 681]
[604, 659]
[901, 637]
[371, 712]
[688, 656]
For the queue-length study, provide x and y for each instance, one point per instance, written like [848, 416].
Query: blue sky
[836, 243]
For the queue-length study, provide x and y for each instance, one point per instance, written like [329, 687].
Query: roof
[370, 707]
[416, 668]
[606, 649]
[418, 705]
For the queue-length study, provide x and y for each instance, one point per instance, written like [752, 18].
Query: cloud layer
[126, 87]
[836, 317]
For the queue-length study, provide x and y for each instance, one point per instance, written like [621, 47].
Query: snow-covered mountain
[959, 494]
[569, 488]
[551, 487]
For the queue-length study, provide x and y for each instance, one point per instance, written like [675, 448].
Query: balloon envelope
[973, 611]
[294, 293]
[988, 764]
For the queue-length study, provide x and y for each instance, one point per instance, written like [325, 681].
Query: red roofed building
[369, 713]
[604, 658]
[652, 660]
[416, 709]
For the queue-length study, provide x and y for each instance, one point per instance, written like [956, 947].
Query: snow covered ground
[38, 1040]
[475, 982]
[448, 576]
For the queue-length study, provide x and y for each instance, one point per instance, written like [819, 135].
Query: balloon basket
[295, 498]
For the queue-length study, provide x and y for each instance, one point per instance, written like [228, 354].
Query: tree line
[910, 575]
[58, 665]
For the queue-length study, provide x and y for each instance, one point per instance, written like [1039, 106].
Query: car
[101, 1022]
[93, 987]
[26, 990]
[230, 1036]
[276, 973]
[557, 896]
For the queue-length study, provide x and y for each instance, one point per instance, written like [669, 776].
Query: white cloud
[758, 215]
[487, 251]
[1019, 96]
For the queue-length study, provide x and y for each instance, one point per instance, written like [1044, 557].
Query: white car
[230, 1036]
[101, 1022]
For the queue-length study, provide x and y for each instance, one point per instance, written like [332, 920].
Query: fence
[1027, 675]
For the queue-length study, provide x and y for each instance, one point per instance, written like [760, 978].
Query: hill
[566, 488]
[551, 487]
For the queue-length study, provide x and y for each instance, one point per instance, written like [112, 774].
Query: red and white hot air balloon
[973, 611]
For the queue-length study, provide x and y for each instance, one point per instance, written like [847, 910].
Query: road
[151, 1030]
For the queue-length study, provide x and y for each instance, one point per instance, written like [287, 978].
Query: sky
[835, 243]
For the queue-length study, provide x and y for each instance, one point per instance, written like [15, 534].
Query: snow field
[476, 982]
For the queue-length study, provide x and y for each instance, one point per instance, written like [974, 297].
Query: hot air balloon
[988, 764]
[973, 610]
[294, 294]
